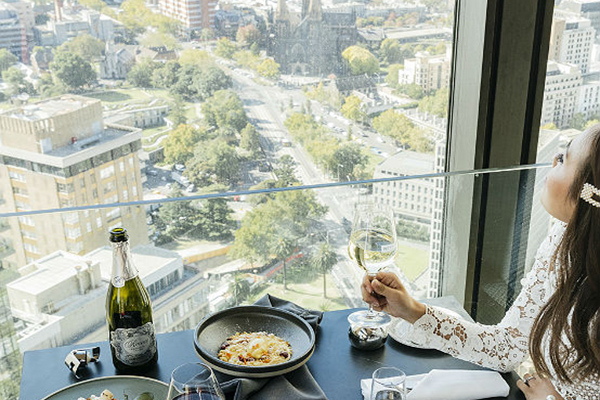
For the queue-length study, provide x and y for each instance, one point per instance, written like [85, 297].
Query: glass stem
[372, 313]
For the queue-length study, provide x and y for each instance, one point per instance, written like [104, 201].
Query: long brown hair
[573, 311]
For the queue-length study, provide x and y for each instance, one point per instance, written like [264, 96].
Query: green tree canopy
[166, 76]
[225, 109]
[16, 81]
[324, 259]
[141, 74]
[346, 158]
[225, 48]
[399, 127]
[361, 60]
[159, 39]
[352, 108]
[72, 70]
[179, 145]
[7, 59]
[269, 69]
[214, 162]
[390, 51]
[250, 139]
[436, 104]
[392, 77]
[85, 45]
[200, 82]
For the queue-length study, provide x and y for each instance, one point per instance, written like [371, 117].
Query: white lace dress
[504, 346]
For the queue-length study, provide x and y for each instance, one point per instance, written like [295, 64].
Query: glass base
[369, 319]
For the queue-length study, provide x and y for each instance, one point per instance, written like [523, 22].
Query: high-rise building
[589, 9]
[59, 153]
[561, 94]
[431, 72]
[12, 32]
[194, 15]
[589, 96]
[571, 41]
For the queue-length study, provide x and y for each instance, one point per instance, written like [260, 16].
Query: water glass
[388, 383]
[194, 381]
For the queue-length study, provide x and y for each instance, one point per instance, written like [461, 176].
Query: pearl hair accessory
[588, 192]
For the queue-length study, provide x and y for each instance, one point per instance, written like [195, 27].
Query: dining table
[335, 365]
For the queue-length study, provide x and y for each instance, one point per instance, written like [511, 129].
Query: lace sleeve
[501, 347]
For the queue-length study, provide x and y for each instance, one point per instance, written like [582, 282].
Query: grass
[412, 261]
[117, 96]
[308, 295]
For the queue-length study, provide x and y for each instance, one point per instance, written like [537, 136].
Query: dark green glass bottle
[128, 311]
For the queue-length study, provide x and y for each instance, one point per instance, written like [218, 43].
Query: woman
[555, 318]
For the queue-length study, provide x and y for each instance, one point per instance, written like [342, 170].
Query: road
[264, 106]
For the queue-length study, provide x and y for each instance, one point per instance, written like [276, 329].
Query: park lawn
[412, 261]
[151, 131]
[131, 96]
[307, 295]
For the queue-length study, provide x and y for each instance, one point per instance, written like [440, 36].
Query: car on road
[180, 167]
[152, 172]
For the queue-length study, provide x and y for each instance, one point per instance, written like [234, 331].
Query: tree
[324, 259]
[241, 288]
[215, 162]
[352, 108]
[179, 145]
[436, 104]
[390, 51]
[165, 76]
[269, 69]
[72, 70]
[159, 39]
[48, 88]
[283, 248]
[177, 216]
[213, 221]
[250, 139]
[211, 80]
[225, 48]
[248, 35]
[224, 109]
[7, 59]
[590, 123]
[177, 115]
[206, 34]
[285, 171]
[346, 158]
[411, 90]
[392, 77]
[16, 81]
[361, 60]
[140, 75]
[85, 45]
[578, 121]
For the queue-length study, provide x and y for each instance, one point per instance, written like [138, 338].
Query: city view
[105, 104]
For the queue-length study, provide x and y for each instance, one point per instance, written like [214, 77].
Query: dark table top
[335, 365]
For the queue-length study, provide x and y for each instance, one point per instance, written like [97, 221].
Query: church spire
[315, 10]
[282, 13]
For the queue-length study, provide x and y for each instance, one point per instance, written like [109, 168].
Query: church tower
[315, 10]
[282, 19]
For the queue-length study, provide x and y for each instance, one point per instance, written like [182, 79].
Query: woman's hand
[386, 293]
[537, 388]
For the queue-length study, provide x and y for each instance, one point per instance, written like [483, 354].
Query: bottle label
[134, 346]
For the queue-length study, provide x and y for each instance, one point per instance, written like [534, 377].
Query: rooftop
[407, 163]
[50, 108]
[51, 271]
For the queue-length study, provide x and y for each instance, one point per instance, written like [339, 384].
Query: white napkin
[450, 384]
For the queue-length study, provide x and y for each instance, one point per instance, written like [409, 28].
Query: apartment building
[194, 15]
[561, 94]
[571, 41]
[431, 72]
[59, 153]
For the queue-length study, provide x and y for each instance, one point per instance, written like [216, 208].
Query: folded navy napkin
[296, 385]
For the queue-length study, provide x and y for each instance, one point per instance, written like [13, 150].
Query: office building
[589, 9]
[571, 41]
[59, 153]
[561, 94]
[193, 15]
[12, 32]
[589, 96]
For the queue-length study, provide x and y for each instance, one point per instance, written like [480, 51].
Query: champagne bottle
[128, 311]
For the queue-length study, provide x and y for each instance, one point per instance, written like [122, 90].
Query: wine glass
[372, 247]
[194, 381]
[388, 383]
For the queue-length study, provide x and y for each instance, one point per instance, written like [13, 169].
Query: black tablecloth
[336, 366]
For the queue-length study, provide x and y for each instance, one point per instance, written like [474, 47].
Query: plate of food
[122, 387]
[399, 329]
[254, 341]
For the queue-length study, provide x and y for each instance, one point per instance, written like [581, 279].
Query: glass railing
[200, 253]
